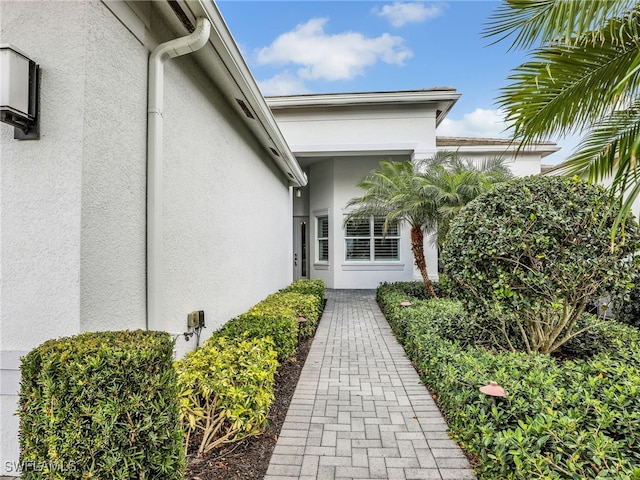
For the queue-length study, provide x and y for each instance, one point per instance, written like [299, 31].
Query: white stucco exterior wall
[332, 185]
[113, 219]
[40, 200]
[227, 212]
[73, 204]
[373, 129]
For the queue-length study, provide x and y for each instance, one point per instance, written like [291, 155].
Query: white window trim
[372, 263]
[321, 264]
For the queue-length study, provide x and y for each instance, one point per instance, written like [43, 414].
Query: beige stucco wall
[73, 204]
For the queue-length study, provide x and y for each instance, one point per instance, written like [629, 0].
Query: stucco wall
[73, 206]
[227, 213]
[40, 198]
[381, 128]
[112, 276]
[321, 203]
[333, 184]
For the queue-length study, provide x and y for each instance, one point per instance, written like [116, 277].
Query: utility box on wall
[18, 91]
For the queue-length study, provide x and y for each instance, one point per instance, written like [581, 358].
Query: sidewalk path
[359, 410]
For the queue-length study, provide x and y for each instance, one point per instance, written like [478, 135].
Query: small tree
[531, 254]
[396, 192]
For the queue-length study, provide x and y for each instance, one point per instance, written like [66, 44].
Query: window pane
[358, 249]
[358, 228]
[323, 227]
[323, 250]
[393, 229]
[387, 249]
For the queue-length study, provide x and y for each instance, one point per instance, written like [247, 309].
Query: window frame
[372, 237]
[318, 239]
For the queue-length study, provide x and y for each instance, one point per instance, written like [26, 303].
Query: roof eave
[226, 66]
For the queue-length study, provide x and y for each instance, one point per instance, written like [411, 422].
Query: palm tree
[583, 76]
[426, 195]
[396, 192]
[453, 181]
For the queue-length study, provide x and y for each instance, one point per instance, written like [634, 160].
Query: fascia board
[226, 66]
[543, 150]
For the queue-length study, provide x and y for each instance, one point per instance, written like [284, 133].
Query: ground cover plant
[530, 256]
[101, 405]
[575, 418]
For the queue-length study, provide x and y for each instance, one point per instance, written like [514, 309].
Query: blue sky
[308, 46]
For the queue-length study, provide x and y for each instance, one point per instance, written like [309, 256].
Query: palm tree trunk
[417, 247]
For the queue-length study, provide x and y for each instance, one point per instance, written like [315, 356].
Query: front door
[300, 247]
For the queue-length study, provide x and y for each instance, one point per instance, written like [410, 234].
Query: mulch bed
[249, 458]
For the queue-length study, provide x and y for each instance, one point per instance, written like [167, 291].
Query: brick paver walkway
[359, 410]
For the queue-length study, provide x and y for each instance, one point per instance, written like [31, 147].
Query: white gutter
[164, 51]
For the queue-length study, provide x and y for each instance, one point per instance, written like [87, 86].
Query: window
[365, 240]
[322, 232]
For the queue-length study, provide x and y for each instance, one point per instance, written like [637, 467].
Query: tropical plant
[583, 76]
[453, 181]
[396, 192]
[426, 194]
[530, 255]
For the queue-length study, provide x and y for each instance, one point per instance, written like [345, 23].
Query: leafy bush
[311, 287]
[226, 389]
[409, 289]
[561, 420]
[303, 305]
[626, 304]
[528, 257]
[101, 405]
[277, 324]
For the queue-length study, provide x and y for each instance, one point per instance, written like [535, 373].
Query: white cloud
[342, 56]
[481, 122]
[400, 13]
[283, 84]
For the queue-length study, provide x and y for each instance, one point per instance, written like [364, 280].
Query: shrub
[410, 289]
[571, 419]
[226, 389]
[277, 324]
[528, 257]
[303, 305]
[101, 405]
[626, 304]
[311, 287]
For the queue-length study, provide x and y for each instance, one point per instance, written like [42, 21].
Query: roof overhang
[222, 61]
[442, 99]
[493, 146]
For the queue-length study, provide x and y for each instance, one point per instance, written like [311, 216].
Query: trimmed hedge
[311, 287]
[259, 323]
[561, 420]
[101, 405]
[226, 389]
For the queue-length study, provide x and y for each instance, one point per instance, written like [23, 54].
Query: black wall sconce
[19, 92]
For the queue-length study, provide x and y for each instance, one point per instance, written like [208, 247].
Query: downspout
[164, 51]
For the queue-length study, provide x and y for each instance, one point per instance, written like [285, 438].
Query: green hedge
[572, 419]
[301, 304]
[101, 405]
[281, 327]
[226, 389]
[311, 287]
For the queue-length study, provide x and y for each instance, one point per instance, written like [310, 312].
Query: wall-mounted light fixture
[19, 93]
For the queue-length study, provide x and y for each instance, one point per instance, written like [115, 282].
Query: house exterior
[81, 248]
[339, 139]
[163, 182]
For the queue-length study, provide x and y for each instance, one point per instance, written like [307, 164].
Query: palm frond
[565, 88]
[540, 22]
